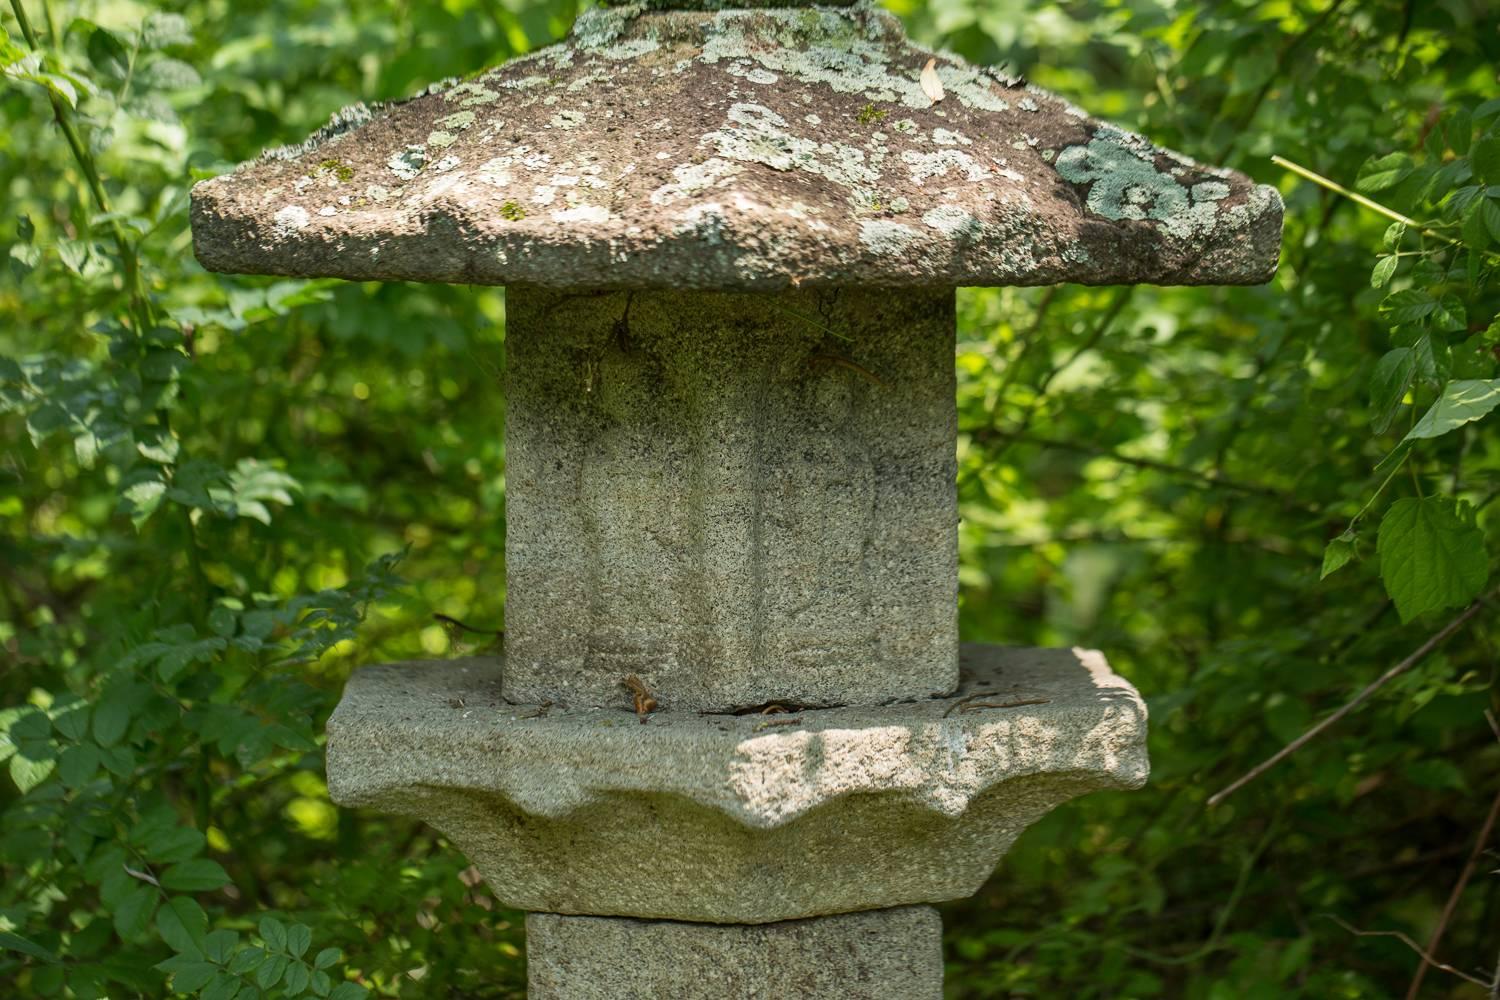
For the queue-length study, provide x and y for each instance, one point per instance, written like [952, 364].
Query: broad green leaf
[1336, 554]
[1408, 306]
[246, 959]
[296, 978]
[28, 773]
[197, 875]
[77, 765]
[273, 933]
[1484, 157]
[111, 718]
[1462, 401]
[348, 991]
[183, 925]
[298, 940]
[193, 976]
[1385, 267]
[223, 987]
[327, 958]
[1394, 234]
[172, 844]
[269, 972]
[15, 942]
[1388, 385]
[1430, 557]
[132, 914]
[1383, 172]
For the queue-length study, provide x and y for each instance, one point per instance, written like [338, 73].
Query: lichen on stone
[407, 163]
[1124, 183]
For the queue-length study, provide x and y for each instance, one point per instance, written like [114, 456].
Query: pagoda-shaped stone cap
[739, 148]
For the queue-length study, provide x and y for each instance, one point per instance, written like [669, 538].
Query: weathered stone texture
[746, 149]
[738, 498]
[894, 954]
[736, 819]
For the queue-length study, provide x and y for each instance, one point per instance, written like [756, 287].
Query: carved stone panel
[737, 498]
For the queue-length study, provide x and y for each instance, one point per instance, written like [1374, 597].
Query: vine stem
[140, 303]
[1372, 204]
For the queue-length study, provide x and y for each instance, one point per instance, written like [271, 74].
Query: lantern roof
[746, 148]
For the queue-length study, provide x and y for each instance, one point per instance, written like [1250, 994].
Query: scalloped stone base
[737, 819]
[876, 955]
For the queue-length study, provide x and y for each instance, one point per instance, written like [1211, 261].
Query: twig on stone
[645, 704]
[768, 723]
[1404, 939]
[842, 362]
[1416, 657]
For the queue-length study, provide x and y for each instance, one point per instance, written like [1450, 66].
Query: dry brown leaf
[931, 85]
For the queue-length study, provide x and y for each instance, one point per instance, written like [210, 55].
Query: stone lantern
[734, 748]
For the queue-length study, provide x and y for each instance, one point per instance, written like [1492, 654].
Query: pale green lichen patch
[567, 119]
[407, 163]
[511, 211]
[1124, 183]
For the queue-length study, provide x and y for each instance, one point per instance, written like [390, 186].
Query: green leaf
[273, 933]
[111, 718]
[198, 875]
[298, 940]
[327, 958]
[1385, 269]
[296, 978]
[28, 773]
[1430, 557]
[1383, 172]
[1450, 314]
[1388, 386]
[183, 925]
[1408, 306]
[1489, 211]
[348, 991]
[1484, 157]
[1337, 553]
[1462, 401]
[1394, 234]
[223, 987]
[193, 976]
[132, 914]
[78, 764]
[268, 973]
[246, 959]
[173, 843]
[161, 30]
[15, 942]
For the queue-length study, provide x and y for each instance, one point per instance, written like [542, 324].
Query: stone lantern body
[734, 747]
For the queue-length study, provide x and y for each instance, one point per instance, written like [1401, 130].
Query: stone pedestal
[894, 954]
[733, 693]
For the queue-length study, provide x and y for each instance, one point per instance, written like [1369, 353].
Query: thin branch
[1433, 642]
[986, 434]
[1453, 897]
[1426, 958]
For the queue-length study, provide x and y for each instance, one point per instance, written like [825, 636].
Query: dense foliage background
[206, 483]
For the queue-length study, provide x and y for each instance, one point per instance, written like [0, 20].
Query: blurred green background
[200, 476]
